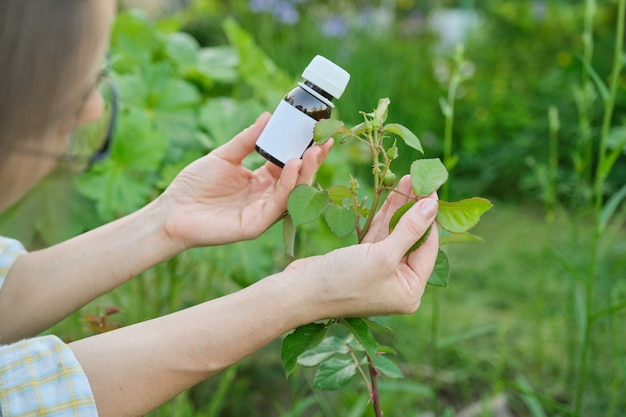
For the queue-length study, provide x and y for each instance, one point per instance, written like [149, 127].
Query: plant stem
[602, 172]
[585, 142]
[370, 216]
[375, 397]
[378, 186]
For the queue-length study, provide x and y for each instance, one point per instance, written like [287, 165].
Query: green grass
[509, 313]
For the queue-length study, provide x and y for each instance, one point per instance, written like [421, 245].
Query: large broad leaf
[461, 216]
[224, 117]
[255, 67]
[328, 347]
[334, 373]
[363, 335]
[406, 135]
[169, 102]
[219, 63]
[133, 40]
[138, 145]
[183, 49]
[115, 191]
[306, 203]
[441, 272]
[299, 341]
[341, 220]
[427, 175]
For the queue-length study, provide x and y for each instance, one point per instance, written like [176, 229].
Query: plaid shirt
[40, 376]
[10, 250]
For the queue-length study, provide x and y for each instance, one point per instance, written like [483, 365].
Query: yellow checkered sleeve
[10, 250]
[41, 377]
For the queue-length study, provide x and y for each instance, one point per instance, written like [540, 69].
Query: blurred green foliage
[192, 80]
[524, 56]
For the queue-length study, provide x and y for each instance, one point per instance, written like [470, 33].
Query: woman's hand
[375, 277]
[215, 200]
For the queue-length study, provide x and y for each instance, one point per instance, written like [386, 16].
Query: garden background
[533, 322]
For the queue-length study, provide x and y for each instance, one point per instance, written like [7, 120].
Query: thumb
[411, 227]
[243, 143]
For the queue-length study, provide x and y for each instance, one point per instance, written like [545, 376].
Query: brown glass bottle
[290, 130]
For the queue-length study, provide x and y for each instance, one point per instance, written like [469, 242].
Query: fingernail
[428, 207]
[259, 118]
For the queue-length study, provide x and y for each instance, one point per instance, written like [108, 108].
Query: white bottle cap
[327, 75]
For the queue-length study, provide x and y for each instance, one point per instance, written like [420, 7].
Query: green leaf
[138, 145]
[114, 189]
[363, 335]
[255, 67]
[306, 203]
[133, 39]
[326, 128]
[382, 109]
[387, 367]
[379, 327]
[338, 193]
[300, 340]
[224, 117]
[335, 373]
[459, 238]
[183, 49]
[341, 220]
[611, 206]
[595, 77]
[405, 134]
[461, 216]
[289, 236]
[328, 347]
[218, 63]
[427, 175]
[441, 272]
[393, 222]
[446, 109]
[170, 103]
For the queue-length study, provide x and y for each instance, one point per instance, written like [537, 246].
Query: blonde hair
[44, 47]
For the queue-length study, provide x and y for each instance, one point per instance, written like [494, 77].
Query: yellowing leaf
[461, 216]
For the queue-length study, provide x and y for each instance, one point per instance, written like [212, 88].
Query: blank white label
[287, 134]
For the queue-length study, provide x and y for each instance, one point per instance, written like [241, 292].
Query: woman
[50, 54]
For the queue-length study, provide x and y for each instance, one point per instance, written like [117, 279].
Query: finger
[380, 225]
[312, 160]
[242, 144]
[277, 204]
[413, 224]
[422, 260]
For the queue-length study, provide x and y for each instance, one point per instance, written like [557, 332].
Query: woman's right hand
[374, 277]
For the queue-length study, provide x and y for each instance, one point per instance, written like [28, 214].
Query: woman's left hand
[216, 200]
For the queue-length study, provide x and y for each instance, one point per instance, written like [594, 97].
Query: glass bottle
[289, 132]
